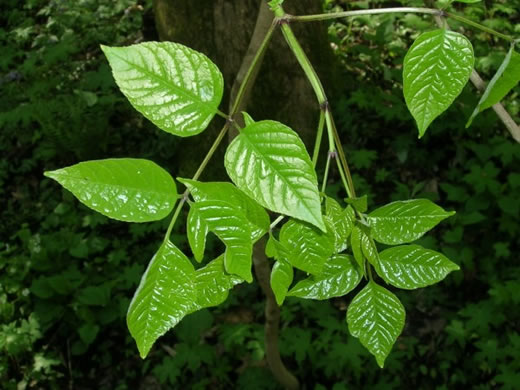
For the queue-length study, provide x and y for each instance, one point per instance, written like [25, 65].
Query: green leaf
[232, 228]
[126, 189]
[355, 244]
[376, 317]
[164, 296]
[197, 230]
[342, 221]
[248, 120]
[212, 283]
[412, 266]
[268, 161]
[175, 87]
[307, 247]
[405, 221]
[436, 69]
[360, 204]
[506, 78]
[281, 278]
[340, 276]
[368, 247]
[257, 217]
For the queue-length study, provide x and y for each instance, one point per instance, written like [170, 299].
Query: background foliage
[67, 274]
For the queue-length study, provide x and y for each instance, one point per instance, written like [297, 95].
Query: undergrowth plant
[327, 247]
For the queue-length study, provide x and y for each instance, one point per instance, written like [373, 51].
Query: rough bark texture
[222, 30]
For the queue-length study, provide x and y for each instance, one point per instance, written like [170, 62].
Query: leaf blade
[282, 276]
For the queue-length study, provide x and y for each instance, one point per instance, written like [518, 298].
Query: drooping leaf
[281, 278]
[308, 248]
[405, 221]
[212, 283]
[175, 87]
[126, 189]
[376, 317]
[342, 221]
[360, 204]
[355, 244]
[165, 295]
[506, 78]
[436, 69]
[340, 275]
[257, 217]
[197, 230]
[412, 266]
[232, 228]
[268, 161]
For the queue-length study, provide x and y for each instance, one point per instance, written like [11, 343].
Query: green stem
[345, 14]
[343, 179]
[330, 155]
[319, 137]
[478, 25]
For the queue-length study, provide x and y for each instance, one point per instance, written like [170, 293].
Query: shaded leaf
[360, 204]
[281, 278]
[355, 244]
[197, 230]
[341, 220]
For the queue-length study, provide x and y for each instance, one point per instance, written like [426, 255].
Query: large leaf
[232, 228]
[127, 189]
[308, 247]
[412, 266]
[175, 87]
[281, 278]
[165, 295]
[405, 221]
[268, 161]
[436, 69]
[376, 317]
[340, 276]
[212, 283]
[506, 78]
[342, 221]
[226, 192]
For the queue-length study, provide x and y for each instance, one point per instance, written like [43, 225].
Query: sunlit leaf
[281, 278]
[197, 230]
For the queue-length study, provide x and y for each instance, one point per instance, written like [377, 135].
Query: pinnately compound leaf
[175, 87]
[412, 266]
[506, 78]
[165, 295]
[405, 221]
[268, 161]
[126, 189]
[436, 69]
[376, 317]
[281, 278]
[340, 276]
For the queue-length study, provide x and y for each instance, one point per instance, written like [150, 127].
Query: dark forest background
[67, 274]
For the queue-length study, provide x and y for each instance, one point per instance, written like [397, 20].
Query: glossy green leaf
[165, 295]
[436, 69]
[376, 317]
[175, 87]
[342, 221]
[412, 266]
[268, 161]
[126, 189]
[506, 78]
[340, 276]
[281, 278]
[212, 283]
[355, 244]
[360, 204]
[197, 230]
[257, 217]
[308, 247]
[232, 228]
[405, 221]
[368, 247]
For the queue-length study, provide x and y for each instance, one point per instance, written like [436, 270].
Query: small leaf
[355, 244]
[360, 204]
[340, 276]
[175, 87]
[307, 247]
[126, 189]
[342, 221]
[281, 278]
[368, 247]
[436, 69]
[197, 230]
[164, 296]
[212, 283]
[376, 317]
[232, 228]
[248, 120]
[405, 221]
[506, 78]
[268, 161]
[412, 266]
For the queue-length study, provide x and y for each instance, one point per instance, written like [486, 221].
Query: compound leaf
[376, 317]
[405, 221]
[340, 275]
[281, 278]
[268, 162]
[165, 295]
[175, 87]
[412, 266]
[436, 69]
[126, 189]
